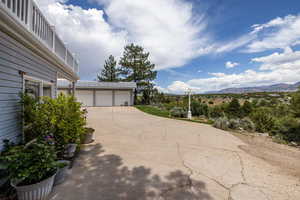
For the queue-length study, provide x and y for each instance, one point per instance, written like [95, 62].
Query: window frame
[41, 85]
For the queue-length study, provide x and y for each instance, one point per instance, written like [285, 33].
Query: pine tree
[247, 108]
[110, 72]
[234, 109]
[135, 66]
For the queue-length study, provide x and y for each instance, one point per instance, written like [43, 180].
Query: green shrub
[31, 163]
[295, 104]
[198, 109]
[281, 110]
[216, 112]
[263, 119]
[247, 108]
[287, 128]
[233, 109]
[247, 124]
[178, 112]
[61, 117]
[221, 123]
[234, 124]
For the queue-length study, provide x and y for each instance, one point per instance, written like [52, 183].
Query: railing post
[74, 61]
[29, 15]
[66, 53]
[77, 67]
[53, 38]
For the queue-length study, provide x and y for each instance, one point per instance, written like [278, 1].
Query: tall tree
[135, 66]
[234, 109]
[110, 72]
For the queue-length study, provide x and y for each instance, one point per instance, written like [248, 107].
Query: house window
[47, 90]
[32, 88]
[37, 88]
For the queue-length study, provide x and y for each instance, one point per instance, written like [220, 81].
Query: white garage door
[85, 97]
[122, 98]
[104, 98]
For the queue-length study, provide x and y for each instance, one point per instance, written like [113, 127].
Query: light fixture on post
[189, 115]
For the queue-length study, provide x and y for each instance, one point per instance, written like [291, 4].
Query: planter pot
[38, 191]
[3, 181]
[70, 150]
[8, 197]
[3, 177]
[62, 172]
[89, 138]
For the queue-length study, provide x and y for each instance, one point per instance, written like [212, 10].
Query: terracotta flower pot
[38, 191]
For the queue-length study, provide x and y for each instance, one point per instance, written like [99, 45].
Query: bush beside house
[50, 125]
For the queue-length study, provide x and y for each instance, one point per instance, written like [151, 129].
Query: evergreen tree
[234, 109]
[247, 108]
[110, 72]
[135, 66]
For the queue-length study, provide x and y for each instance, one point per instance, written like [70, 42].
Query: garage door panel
[86, 97]
[104, 98]
[122, 98]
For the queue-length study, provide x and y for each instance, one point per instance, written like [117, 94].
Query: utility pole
[189, 116]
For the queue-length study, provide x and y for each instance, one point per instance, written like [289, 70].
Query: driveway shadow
[96, 175]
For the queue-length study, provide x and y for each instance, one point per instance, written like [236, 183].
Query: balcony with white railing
[27, 13]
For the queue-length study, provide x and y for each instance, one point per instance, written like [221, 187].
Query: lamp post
[189, 116]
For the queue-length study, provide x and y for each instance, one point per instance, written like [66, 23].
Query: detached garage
[101, 94]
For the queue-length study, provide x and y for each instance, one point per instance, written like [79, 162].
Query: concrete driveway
[137, 156]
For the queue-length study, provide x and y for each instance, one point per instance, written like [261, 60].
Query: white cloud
[168, 29]
[275, 68]
[179, 87]
[173, 37]
[161, 89]
[277, 33]
[288, 60]
[86, 33]
[230, 64]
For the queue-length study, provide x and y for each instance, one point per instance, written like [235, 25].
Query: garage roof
[63, 84]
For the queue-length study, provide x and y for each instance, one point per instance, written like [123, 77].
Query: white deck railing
[29, 15]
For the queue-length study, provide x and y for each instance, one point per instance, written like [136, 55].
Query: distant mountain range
[281, 87]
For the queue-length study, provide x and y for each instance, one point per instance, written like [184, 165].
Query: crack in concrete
[229, 189]
[242, 166]
[188, 184]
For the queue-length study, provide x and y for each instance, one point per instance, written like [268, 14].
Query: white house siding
[14, 57]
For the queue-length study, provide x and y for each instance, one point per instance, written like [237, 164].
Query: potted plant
[62, 171]
[32, 168]
[88, 136]
[69, 125]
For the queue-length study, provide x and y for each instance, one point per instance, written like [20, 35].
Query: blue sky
[200, 44]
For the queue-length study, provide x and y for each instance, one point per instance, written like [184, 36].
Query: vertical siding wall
[14, 58]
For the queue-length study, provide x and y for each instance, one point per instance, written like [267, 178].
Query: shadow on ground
[97, 175]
